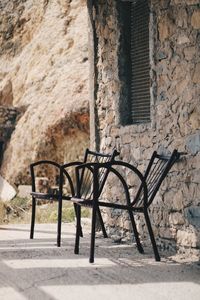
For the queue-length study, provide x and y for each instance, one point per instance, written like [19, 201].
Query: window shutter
[140, 67]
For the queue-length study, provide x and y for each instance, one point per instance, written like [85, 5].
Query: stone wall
[175, 112]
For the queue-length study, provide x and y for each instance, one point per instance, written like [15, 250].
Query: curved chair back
[157, 170]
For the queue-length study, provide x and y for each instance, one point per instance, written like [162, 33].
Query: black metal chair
[138, 190]
[65, 189]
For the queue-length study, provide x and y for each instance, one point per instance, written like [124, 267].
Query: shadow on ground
[37, 269]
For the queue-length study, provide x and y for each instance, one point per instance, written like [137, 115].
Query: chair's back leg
[101, 223]
[92, 245]
[137, 239]
[94, 213]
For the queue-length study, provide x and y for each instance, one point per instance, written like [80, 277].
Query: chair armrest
[37, 163]
[44, 196]
[90, 165]
[40, 162]
[71, 164]
[110, 168]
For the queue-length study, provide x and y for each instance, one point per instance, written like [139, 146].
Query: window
[134, 65]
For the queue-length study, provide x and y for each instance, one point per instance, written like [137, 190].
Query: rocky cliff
[44, 73]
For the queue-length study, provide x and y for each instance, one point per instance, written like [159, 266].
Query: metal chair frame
[89, 156]
[150, 183]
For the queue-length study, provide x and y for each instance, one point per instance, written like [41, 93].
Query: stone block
[165, 233]
[193, 215]
[6, 93]
[195, 20]
[193, 143]
[108, 141]
[189, 192]
[182, 18]
[192, 2]
[188, 239]
[189, 52]
[127, 225]
[7, 192]
[161, 55]
[176, 218]
[24, 191]
[173, 232]
[127, 138]
[183, 39]
[164, 3]
[178, 1]
[157, 216]
[196, 75]
[162, 96]
[174, 200]
[181, 86]
[195, 119]
[166, 28]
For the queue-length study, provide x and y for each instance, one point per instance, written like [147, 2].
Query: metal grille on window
[140, 81]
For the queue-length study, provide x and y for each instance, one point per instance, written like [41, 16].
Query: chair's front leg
[78, 225]
[59, 224]
[33, 217]
[153, 241]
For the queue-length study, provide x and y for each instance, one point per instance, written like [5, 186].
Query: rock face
[44, 72]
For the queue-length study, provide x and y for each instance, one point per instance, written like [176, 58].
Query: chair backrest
[47, 173]
[86, 176]
[157, 170]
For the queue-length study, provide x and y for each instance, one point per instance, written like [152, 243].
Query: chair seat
[49, 196]
[81, 201]
[45, 196]
[89, 203]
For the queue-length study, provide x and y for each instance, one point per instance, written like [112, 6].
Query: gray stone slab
[7, 192]
[37, 269]
[24, 191]
[193, 143]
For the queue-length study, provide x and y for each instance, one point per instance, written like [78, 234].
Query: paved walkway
[37, 269]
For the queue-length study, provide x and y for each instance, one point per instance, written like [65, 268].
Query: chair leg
[93, 228]
[33, 217]
[78, 224]
[137, 239]
[80, 227]
[59, 224]
[102, 223]
[153, 242]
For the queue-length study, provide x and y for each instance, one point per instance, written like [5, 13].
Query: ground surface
[37, 269]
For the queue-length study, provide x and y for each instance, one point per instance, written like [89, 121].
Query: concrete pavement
[37, 269]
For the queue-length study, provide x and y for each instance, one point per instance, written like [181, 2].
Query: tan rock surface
[44, 57]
